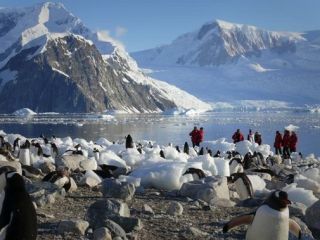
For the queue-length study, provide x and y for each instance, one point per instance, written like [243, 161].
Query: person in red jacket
[200, 136]
[293, 140]
[237, 136]
[194, 136]
[278, 143]
[286, 143]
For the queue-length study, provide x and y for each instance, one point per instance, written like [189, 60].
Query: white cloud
[120, 31]
[104, 35]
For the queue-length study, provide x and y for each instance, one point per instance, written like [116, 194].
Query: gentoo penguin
[218, 154]
[1, 141]
[54, 150]
[60, 178]
[16, 146]
[242, 184]
[113, 171]
[18, 218]
[162, 154]
[196, 171]
[186, 148]
[6, 154]
[178, 149]
[235, 165]
[24, 153]
[248, 161]
[201, 152]
[96, 154]
[31, 172]
[129, 141]
[270, 221]
[209, 151]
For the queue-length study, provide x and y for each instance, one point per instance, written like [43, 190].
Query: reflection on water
[165, 129]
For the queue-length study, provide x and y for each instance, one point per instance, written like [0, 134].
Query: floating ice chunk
[291, 128]
[300, 195]
[24, 112]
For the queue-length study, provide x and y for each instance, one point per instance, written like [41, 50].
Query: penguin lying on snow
[270, 221]
[196, 171]
[242, 184]
[18, 218]
[60, 178]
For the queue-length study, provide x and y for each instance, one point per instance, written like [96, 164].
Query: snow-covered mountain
[240, 64]
[51, 62]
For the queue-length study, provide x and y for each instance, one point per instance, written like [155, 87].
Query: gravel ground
[158, 226]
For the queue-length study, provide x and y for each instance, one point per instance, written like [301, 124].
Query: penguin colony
[16, 205]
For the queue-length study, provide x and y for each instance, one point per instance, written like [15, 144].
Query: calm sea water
[174, 129]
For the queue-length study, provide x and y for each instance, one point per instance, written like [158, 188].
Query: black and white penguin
[31, 172]
[129, 141]
[270, 221]
[60, 178]
[235, 165]
[218, 154]
[199, 172]
[96, 154]
[201, 152]
[16, 147]
[112, 171]
[178, 149]
[18, 218]
[6, 155]
[186, 148]
[162, 154]
[24, 153]
[242, 184]
[54, 150]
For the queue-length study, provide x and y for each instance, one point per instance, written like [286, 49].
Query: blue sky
[142, 24]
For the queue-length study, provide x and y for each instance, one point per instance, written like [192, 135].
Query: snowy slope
[37, 27]
[240, 65]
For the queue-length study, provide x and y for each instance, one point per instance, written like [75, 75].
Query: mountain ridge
[58, 48]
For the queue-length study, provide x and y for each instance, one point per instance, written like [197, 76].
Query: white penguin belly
[269, 224]
[241, 189]
[24, 157]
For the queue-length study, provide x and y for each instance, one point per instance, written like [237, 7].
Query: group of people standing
[288, 142]
[285, 144]
[254, 138]
[197, 136]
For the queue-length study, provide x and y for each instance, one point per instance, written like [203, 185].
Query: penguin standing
[24, 153]
[18, 217]
[96, 154]
[16, 147]
[129, 141]
[186, 148]
[270, 221]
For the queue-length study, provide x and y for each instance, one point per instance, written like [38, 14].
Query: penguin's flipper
[294, 228]
[238, 221]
